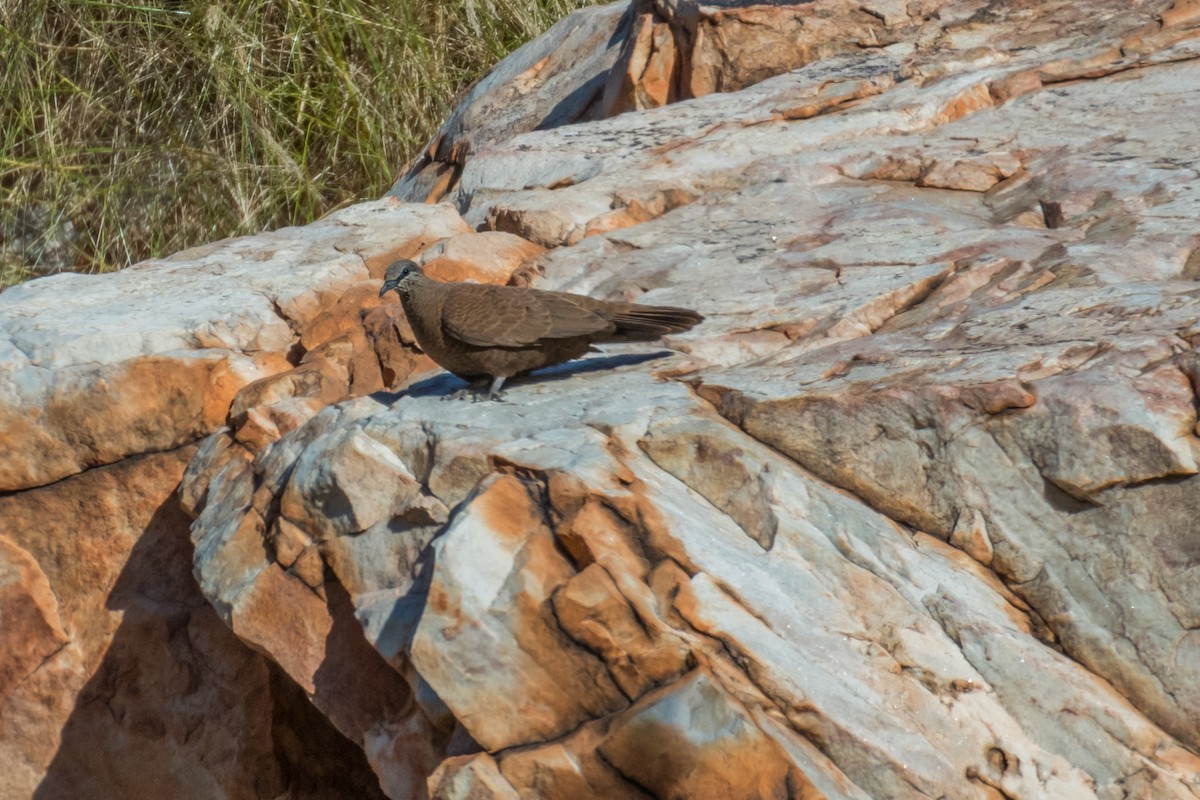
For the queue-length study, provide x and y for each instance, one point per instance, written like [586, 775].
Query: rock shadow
[395, 639]
[178, 707]
[583, 103]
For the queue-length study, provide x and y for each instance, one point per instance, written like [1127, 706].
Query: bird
[483, 332]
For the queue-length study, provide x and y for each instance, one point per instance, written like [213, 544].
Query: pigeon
[482, 332]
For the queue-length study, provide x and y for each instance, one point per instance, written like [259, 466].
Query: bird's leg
[494, 392]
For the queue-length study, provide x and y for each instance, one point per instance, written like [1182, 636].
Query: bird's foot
[494, 392]
[472, 393]
[479, 391]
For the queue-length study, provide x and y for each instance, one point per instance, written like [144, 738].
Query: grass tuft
[130, 130]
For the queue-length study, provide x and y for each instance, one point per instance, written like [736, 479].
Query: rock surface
[912, 514]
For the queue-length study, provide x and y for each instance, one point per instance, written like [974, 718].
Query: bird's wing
[502, 316]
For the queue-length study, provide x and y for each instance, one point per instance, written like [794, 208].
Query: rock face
[119, 680]
[912, 514]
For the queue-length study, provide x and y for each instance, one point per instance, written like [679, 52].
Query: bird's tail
[638, 323]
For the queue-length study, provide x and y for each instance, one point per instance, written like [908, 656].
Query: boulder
[911, 514]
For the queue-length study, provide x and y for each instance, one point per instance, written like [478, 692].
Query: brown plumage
[480, 331]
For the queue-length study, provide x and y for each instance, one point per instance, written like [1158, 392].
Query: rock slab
[911, 515]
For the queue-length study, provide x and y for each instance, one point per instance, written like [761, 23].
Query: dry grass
[132, 130]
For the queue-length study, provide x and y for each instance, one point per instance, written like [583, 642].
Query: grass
[130, 130]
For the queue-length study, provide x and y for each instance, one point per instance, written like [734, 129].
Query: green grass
[133, 130]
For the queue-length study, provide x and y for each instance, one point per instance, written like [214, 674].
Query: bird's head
[398, 277]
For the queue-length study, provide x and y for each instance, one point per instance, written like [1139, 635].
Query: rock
[929, 300]
[696, 741]
[680, 50]
[464, 621]
[268, 579]
[119, 680]
[32, 628]
[84, 385]
[568, 768]
[1022, 477]
[494, 558]
[62, 421]
[470, 778]
[912, 514]
[591, 610]
[487, 257]
[87, 385]
[556, 79]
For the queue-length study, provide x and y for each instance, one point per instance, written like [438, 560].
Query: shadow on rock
[360, 691]
[444, 383]
[178, 707]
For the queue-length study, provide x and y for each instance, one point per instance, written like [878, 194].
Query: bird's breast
[424, 315]
[424, 319]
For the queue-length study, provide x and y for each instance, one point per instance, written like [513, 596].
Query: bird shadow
[444, 383]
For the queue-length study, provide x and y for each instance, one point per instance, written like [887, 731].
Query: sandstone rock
[267, 576]
[62, 421]
[933, 295]
[128, 685]
[554, 80]
[694, 740]
[98, 370]
[395, 347]
[496, 557]
[32, 628]
[567, 768]
[487, 257]
[48, 539]
[894, 606]
[912, 514]
[82, 384]
[592, 611]
[1023, 479]
[470, 778]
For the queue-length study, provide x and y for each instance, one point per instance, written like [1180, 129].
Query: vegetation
[135, 129]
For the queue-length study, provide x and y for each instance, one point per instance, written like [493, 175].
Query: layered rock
[99, 367]
[119, 680]
[629, 596]
[912, 514]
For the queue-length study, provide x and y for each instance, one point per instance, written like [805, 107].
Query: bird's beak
[387, 287]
